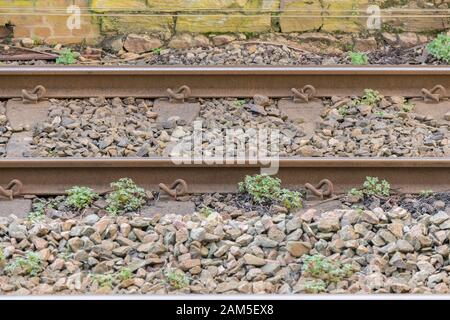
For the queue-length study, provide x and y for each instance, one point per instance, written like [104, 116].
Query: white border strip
[225, 297]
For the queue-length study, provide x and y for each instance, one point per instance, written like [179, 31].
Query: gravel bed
[234, 247]
[5, 130]
[127, 127]
[277, 54]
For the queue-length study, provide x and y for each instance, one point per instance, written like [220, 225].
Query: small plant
[125, 274]
[343, 111]
[358, 58]
[290, 199]
[36, 216]
[103, 280]
[31, 264]
[38, 213]
[426, 193]
[239, 103]
[37, 41]
[66, 254]
[354, 192]
[372, 186]
[315, 286]
[2, 256]
[407, 107]
[249, 35]
[177, 279]
[262, 188]
[359, 210]
[440, 47]
[157, 51]
[80, 197]
[66, 56]
[206, 211]
[371, 97]
[265, 189]
[125, 197]
[319, 267]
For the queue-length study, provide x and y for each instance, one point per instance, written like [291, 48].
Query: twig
[276, 44]
[30, 50]
[141, 56]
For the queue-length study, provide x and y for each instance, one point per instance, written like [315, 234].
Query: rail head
[238, 163]
[222, 70]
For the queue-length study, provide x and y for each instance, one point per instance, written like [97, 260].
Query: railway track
[54, 176]
[152, 82]
[122, 239]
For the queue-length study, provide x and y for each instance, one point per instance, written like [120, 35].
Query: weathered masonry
[47, 19]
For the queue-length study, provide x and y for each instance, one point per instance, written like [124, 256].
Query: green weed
[265, 189]
[177, 279]
[125, 197]
[66, 56]
[80, 197]
[31, 264]
[440, 47]
[358, 58]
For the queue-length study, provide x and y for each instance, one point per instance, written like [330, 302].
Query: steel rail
[54, 176]
[152, 82]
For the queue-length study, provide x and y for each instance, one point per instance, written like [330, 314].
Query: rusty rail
[54, 176]
[126, 81]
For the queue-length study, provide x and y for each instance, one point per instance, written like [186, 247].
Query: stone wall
[46, 19]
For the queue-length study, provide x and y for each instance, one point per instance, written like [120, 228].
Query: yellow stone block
[192, 5]
[136, 24]
[10, 4]
[118, 5]
[300, 15]
[223, 23]
[344, 15]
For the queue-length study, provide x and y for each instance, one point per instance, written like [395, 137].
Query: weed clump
[125, 197]
[372, 187]
[31, 264]
[103, 280]
[125, 274]
[177, 279]
[38, 208]
[440, 47]
[66, 57]
[358, 58]
[264, 189]
[426, 193]
[321, 271]
[80, 197]
[371, 97]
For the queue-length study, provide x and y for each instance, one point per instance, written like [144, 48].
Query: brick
[43, 32]
[192, 5]
[118, 5]
[22, 32]
[413, 24]
[300, 15]
[130, 24]
[90, 39]
[224, 23]
[87, 29]
[344, 8]
[16, 4]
